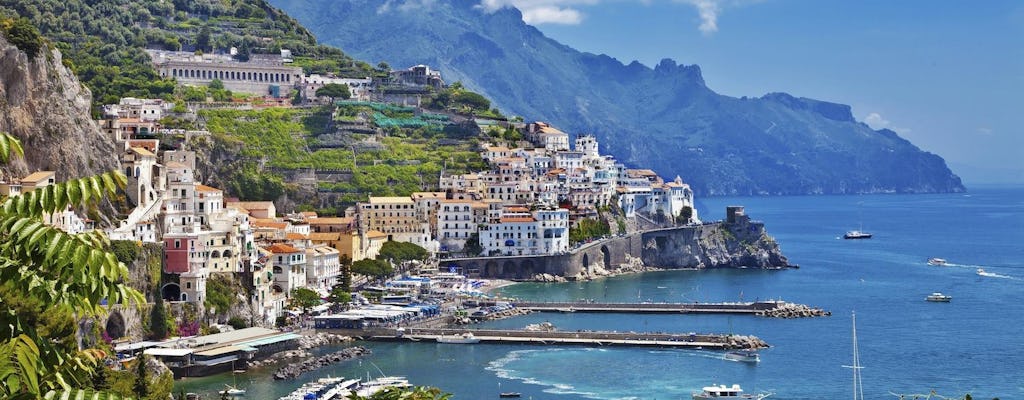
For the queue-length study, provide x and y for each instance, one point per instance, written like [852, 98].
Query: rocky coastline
[293, 371]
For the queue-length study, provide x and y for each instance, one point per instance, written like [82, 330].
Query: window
[188, 285]
[177, 244]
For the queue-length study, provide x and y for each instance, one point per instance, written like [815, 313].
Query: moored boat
[465, 338]
[939, 298]
[939, 262]
[368, 388]
[743, 356]
[506, 395]
[857, 235]
[233, 391]
[727, 392]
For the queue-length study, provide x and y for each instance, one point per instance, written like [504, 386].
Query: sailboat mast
[858, 385]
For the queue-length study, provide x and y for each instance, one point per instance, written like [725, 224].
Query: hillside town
[525, 204]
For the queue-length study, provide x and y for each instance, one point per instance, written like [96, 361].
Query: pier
[579, 338]
[761, 308]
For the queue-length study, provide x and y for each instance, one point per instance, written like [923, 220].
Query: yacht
[323, 389]
[938, 262]
[939, 298]
[465, 338]
[857, 235]
[370, 387]
[743, 355]
[727, 392]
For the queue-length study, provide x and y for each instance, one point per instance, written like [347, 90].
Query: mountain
[664, 117]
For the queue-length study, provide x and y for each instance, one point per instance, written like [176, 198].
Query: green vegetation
[304, 299]
[125, 250]
[158, 319]
[221, 292]
[103, 41]
[23, 35]
[44, 268]
[456, 98]
[334, 91]
[414, 393]
[399, 252]
[377, 269]
[588, 229]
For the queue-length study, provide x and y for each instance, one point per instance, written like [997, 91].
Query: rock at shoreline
[294, 370]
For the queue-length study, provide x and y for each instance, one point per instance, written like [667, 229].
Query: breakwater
[778, 309]
[691, 340]
[292, 371]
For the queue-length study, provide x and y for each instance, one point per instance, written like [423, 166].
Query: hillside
[103, 41]
[664, 117]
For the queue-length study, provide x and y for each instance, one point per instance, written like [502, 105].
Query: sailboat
[233, 390]
[858, 385]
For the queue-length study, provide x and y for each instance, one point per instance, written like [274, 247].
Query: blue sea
[907, 345]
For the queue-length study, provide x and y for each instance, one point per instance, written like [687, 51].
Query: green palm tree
[66, 272]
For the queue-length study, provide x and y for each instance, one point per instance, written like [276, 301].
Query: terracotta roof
[517, 209]
[324, 236]
[264, 224]
[497, 148]
[38, 176]
[295, 236]
[308, 214]
[548, 129]
[278, 248]
[375, 234]
[207, 189]
[142, 152]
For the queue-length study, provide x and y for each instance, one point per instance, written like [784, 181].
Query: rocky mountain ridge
[663, 117]
[43, 104]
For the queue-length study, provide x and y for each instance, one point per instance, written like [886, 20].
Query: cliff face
[44, 105]
[744, 244]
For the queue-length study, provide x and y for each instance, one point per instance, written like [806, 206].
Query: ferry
[857, 235]
[939, 298]
[465, 338]
[726, 392]
[743, 356]
[938, 262]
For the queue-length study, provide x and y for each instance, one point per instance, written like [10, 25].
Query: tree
[383, 67]
[373, 268]
[414, 393]
[345, 278]
[64, 272]
[304, 299]
[399, 252]
[333, 91]
[473, 247]
[203, 38]
[340, 296]
[216, 84]
[158, 318]
[141, 388]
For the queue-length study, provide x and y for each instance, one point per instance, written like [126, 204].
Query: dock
[578, 338]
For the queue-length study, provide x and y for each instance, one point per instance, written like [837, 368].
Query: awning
[270, 340]
[159, 351]
[218, 351]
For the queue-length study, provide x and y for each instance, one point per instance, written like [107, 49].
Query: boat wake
[986, 274]
[502, 369]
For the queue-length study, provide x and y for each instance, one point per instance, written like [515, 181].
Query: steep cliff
[44, 105]
[743, 244]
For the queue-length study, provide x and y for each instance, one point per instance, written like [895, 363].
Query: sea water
[907, 345]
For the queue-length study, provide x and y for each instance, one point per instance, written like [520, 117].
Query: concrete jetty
[582, 338]
[761, 308]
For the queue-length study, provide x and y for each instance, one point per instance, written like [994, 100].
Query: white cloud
[404, 5]
[567, 11]
[708, 10]
[875, 121]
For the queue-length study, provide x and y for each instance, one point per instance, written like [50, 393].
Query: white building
[520, 232]
[360, 88]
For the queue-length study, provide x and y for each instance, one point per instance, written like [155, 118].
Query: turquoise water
[907, 345]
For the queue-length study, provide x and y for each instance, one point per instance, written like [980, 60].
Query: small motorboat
[743, 356]
[938, 262]
[233, 391]
[727, 392]
[465, 338]
[508, 395]
[857, 235]
[939, 298]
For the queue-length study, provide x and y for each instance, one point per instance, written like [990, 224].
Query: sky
[946, 75]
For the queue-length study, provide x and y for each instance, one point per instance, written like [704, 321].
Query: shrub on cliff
[21, 33]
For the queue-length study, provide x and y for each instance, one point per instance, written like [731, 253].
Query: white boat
[939, 297]
[323, 389]
[232, 391]
[857, 235]
[938, 262]
[369, 388]
[727, 392]
[465, 338]
[743, 355]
